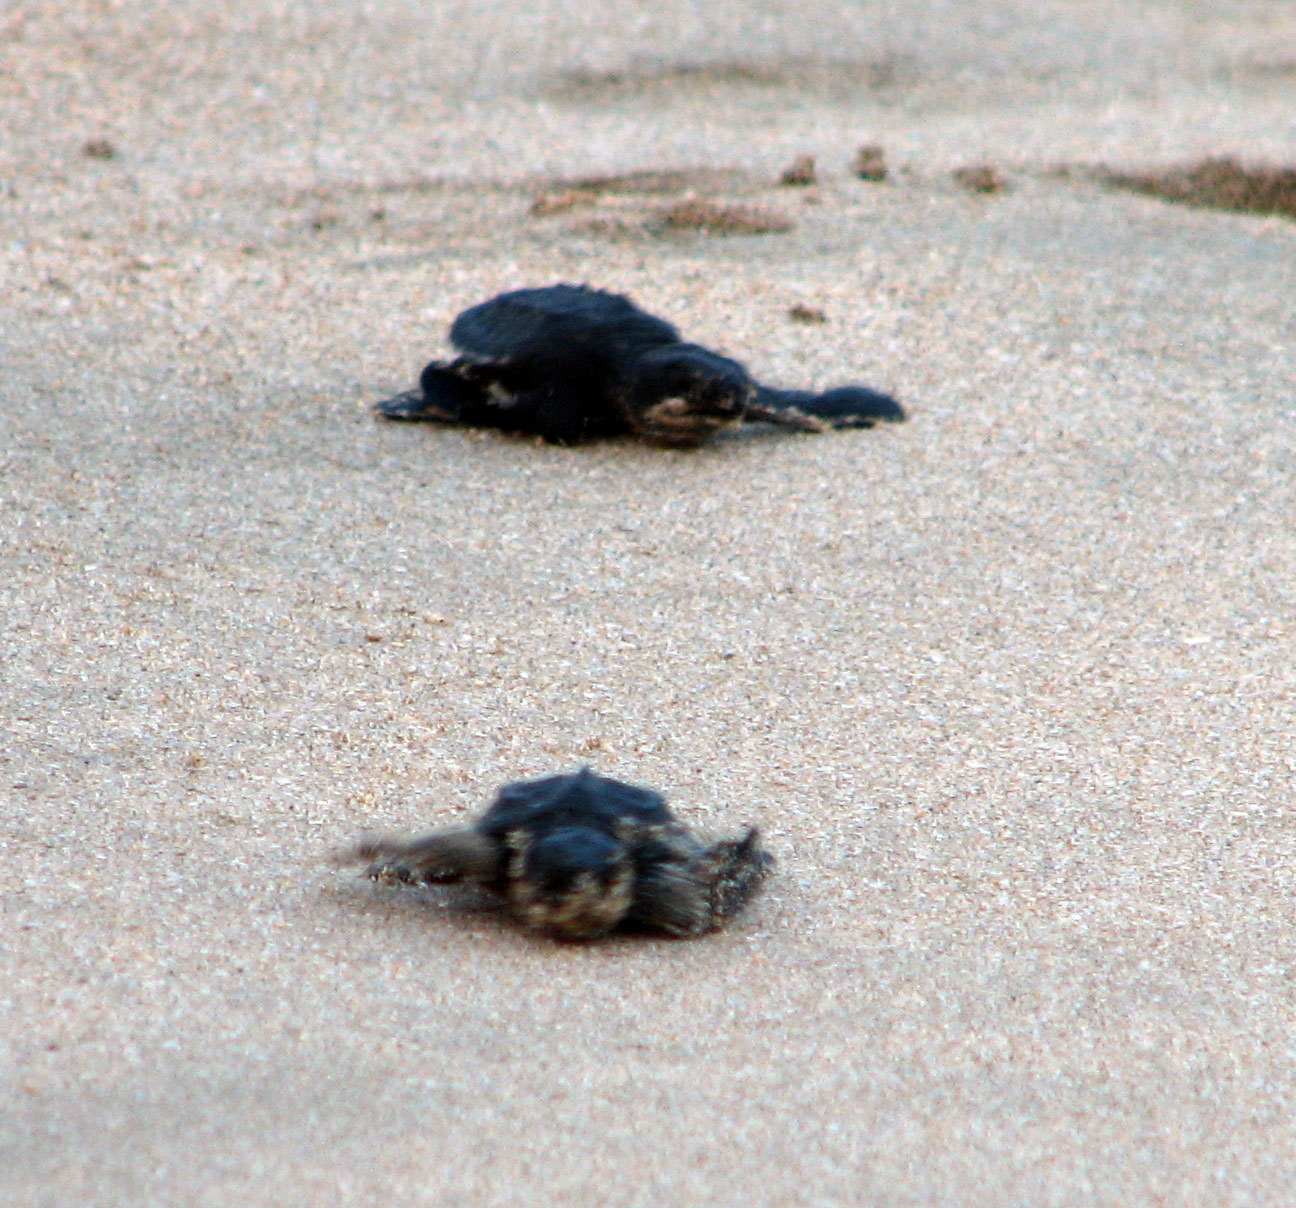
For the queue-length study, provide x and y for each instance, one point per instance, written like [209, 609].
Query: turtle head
[574, 882]
[680, 394]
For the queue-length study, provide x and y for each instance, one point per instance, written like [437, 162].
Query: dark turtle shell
[557, 325]
[575, 799]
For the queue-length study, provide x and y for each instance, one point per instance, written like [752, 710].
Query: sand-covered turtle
[578, 854]
[568, 363]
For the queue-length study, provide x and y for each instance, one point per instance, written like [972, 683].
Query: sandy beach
[1009, 688]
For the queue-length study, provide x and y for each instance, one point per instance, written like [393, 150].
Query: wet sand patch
[823, 77]
[1217, 184]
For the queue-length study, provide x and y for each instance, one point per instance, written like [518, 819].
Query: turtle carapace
[569, 363]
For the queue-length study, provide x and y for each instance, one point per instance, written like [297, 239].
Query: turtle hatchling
[579, 854]
[570, 363]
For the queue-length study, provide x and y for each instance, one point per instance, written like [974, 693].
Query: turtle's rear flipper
[455, 854]
[442, 397]
[805, 411]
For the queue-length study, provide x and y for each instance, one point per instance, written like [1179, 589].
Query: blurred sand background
[1009, 688]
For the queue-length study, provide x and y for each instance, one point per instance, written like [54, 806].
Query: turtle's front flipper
[805, 411]
[455, 854]
[444, 396]
[696, 889]
[673, 898]
[669, 893]
[557, 412]
[490, 396]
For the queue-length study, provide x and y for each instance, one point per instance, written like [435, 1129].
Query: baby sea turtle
[568, 362]
[576, 855]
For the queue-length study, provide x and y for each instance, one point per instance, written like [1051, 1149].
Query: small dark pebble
[981, 178]
[99, 148]
[557, 203]
[800, 313]
[870, 163]
[799, 172]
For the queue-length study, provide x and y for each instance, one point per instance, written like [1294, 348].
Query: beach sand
[1009, 688]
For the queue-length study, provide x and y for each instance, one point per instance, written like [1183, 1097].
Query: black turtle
[576, 855]
[567, 362]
